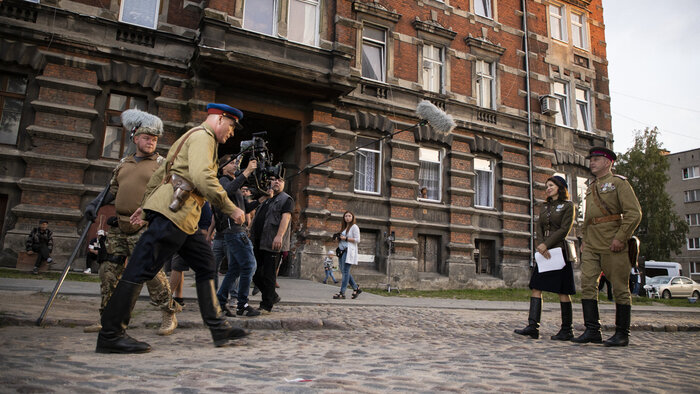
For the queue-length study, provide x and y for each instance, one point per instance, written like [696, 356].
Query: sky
[654, 70]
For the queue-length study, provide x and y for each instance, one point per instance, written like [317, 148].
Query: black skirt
[559, 281]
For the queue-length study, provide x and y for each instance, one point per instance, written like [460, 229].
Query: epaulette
[160, 159]
[620, 176]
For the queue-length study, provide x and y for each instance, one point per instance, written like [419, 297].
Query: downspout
[529, 134]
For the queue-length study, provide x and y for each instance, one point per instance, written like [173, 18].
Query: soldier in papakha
[126, 189]
[172, 206]
[612, 215]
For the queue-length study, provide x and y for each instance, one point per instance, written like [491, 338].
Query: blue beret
[226, 110]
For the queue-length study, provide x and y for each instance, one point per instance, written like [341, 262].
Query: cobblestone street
[360, 349]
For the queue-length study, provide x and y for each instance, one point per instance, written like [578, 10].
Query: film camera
[256, 149]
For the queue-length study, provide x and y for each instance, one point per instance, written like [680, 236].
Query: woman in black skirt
[556, 218]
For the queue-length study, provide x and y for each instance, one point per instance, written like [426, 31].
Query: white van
[662, 268]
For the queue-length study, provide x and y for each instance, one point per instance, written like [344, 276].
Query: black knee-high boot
[533, 319]
[567, 330]
[622, 326]
[115, 319]
[213, 317]
[592, 321]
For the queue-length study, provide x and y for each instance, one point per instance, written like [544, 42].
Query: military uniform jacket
[197, 163]
[554, 223]
[617, 196]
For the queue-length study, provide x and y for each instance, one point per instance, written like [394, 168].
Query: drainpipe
[529, 134]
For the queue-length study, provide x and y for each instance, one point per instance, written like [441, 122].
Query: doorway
[428, 253]
[485, 256]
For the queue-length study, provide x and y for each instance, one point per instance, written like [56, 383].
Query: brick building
[684, 188]
[344, 74]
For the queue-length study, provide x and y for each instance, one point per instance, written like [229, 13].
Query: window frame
[695, 194]
[441, 156]
[585, 117]
[488, 8]
[694, 267]
[378, 180]
[116, 114]
[693, 219]
[561, 22]
[427, 82]
[317, 21]
[492, 185]
[696, 243]
[564, 100]
[581, 187]
[5, 94]
[690, 173]
[273, 18]
[155, 19]
[383, 47]
[480, 77]
[582, 28]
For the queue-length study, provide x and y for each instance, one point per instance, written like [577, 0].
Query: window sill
[368, 193]
[428, 200]
[485, 208]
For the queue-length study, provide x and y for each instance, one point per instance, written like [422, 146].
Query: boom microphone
[437, 118]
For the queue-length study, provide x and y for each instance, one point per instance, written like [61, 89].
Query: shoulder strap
[598, 201]
[170, 162]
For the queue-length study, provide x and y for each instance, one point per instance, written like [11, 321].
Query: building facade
[525, 81]
[684, 188]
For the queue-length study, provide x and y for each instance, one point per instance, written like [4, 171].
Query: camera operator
[270, 234]
[237, 245]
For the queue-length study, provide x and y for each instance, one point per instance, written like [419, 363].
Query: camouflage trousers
[120, 244]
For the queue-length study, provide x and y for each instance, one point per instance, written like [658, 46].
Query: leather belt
[606, 219]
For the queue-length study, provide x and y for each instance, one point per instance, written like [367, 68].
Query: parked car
[672, 286]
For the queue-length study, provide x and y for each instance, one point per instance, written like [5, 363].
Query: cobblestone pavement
[362, 349]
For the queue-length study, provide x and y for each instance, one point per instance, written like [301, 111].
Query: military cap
[227, 111]
[602, 151]
[140, 122]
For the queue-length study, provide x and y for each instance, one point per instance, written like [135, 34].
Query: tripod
[390, 250]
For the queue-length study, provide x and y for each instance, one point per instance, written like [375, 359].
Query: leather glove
[91, 211]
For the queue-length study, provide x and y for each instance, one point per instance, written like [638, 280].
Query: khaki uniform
[131, 176]
[201, 146]
[599, 230]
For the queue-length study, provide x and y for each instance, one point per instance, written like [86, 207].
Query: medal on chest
[607, 187]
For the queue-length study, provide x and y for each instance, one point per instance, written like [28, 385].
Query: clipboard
[555, 262]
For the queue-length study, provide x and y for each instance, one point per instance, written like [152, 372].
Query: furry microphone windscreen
[132, 118]
[437, 118]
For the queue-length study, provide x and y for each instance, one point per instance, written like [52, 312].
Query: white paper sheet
[555, 262]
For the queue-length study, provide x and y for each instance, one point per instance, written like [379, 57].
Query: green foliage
[661, 231]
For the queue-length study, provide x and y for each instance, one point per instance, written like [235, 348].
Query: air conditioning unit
[549, 104]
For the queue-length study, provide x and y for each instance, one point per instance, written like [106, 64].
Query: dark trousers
[42, 253]
[160, 242]
[266, 276]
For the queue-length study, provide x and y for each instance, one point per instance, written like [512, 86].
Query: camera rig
[256, 149]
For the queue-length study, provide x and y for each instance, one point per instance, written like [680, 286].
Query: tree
[661, 230]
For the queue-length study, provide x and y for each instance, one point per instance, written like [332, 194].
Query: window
[557, 22]
[260, 16]
[430, 173]
[695, 267]
[484, 84]
[304, 14]
[483, 8]
[374, 54]
[691, 172]
[116, 138]
[693, 219]
[367, 165]
[578, 31]
[484, 183]
[583, 110]
[692, 195]
[693, 243]
[12, 90]
[561, 92]
[432, 68]
[581, 186]
[142, 13]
